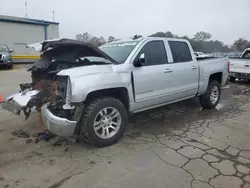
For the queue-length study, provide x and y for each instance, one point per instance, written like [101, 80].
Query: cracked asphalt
[177, 146]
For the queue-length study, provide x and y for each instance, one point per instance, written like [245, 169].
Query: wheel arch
[120, 93]
[216, 76]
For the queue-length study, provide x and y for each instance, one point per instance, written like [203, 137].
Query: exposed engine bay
[49, 88]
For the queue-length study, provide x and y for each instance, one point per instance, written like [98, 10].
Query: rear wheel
[211, 98]
[104, 121]
[232, 79]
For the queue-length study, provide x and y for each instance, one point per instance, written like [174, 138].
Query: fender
[83, 85]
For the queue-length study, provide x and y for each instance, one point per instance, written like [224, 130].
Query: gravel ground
[179, 145]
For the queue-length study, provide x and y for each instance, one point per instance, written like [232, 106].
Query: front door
[150, 81]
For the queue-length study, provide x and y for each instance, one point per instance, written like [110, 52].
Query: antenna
[26, 9]
[53, 15]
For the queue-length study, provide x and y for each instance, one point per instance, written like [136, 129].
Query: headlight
[68, 95]
[6, 57]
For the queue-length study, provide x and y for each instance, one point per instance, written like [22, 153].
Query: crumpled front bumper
[15, 103]
[57, 125]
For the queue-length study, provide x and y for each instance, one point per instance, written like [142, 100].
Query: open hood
[49, 46]
[64, 51]
[50, 74]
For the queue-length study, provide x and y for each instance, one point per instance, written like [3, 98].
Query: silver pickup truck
[89, 91]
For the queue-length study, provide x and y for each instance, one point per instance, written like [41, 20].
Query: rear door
[185, 70]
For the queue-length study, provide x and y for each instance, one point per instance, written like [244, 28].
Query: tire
[205, 99]
[9, 66]
[232, 79]
[93, 113]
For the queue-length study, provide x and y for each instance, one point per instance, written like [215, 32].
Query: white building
[17, 32]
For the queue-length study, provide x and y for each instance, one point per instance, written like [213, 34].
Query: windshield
[3, 48]
[119, 51]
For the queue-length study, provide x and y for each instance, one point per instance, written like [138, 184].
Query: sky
[226, 20]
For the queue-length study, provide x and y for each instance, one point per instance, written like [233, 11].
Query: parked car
[240, 66]
[201, 54]
[5, 56]
[87, 91]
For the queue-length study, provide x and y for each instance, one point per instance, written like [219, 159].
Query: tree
[176, 36]
[97, 41]
[197, 46]
[200, 42]
[136, 37]
[102, 40]
[167, 34]
[248, 45]
[158, 34]
[111, 39]
[185, 37]
[240, 44]
[79, 37]
[202, 36]
[86, 37]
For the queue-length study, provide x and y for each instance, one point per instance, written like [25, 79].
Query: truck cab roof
[147, 38]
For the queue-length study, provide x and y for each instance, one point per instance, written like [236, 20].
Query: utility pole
[26, 9]
[53, 15]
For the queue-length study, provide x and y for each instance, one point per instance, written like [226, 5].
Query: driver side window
[154, 53]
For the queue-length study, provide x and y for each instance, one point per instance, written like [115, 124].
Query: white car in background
[239, 67]
[201, 54]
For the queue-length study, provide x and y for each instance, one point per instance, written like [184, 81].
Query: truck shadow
[176, 116]
[242, 82]
[164, 119]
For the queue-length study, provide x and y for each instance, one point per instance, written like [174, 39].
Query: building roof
[25, 20]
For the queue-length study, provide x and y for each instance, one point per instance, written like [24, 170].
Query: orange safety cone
[1, 98]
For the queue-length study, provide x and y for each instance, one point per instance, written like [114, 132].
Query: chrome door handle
[167, 71]
[194, 67]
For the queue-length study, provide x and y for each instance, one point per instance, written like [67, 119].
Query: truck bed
[206, 58]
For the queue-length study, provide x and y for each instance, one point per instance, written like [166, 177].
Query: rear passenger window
[155, 53]
[180, 51]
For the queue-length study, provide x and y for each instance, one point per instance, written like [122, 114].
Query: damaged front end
[19, 102]
[36, 94]
[52, 99]
[49, 92]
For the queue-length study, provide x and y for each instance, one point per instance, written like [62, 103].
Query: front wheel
[104, 121]
[211, 98]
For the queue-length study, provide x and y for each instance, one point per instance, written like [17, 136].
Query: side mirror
[11, 51]
[141, 61]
